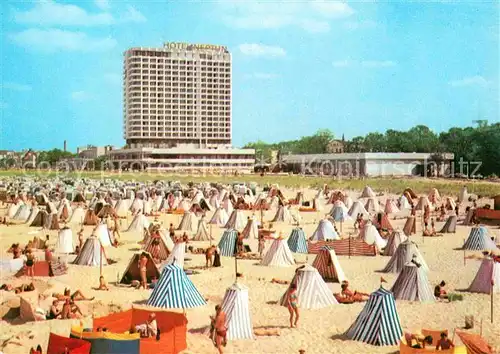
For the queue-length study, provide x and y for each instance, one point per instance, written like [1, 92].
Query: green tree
[53, 156]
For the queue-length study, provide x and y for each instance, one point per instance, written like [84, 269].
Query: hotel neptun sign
[188, 46]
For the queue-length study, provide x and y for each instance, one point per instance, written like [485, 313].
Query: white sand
[319, 331]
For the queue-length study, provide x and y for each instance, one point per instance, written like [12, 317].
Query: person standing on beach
[262, 244]
[291, 302]
[219, 325]
[80, 238]
[143, 267]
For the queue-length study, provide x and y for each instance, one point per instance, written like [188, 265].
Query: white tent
[91, 253]
[357, 208]
[65, 241]
[372, 236]
[312, 291]
[278, 255]
[177, 255]
[77, 216]
[367, 193]
[139, 223]
[219, 218]
[404, 203]
[324, 232]
[372, 205]
[102, 233]
[238, 319]
[189, 222]
[348, 202]
[251, 229]
[282, 215]
[202, 233]
[236, 221]
[227, 205]
[122, 207]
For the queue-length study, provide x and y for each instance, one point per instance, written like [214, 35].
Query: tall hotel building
[177, 110]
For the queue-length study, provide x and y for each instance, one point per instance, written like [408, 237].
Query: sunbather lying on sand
[77, 295]
[346, 296]
[277, 281]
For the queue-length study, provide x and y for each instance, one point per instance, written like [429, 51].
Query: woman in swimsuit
[30, 263]
[292, 305]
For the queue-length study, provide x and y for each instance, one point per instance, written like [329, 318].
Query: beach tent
[324, 232]
[41, 219]
[202, 232]
[90, 218]
[64, 210]
[251, 230]
[487, 277]
[44, 269]
[378, 323]
[165, 243]
[423, 201]
[339, 212]
[312, 291]
[278, 255]
[121, 208]
[23, 213]
[132, 271]
[227, 243]
[33, 214]
[189, 222]
[410, 226]
[92, 253]
[450, 226]
[238, 319]
[371, 236]
[77, 217]
[59, 345]
[434, 196]
[227, 204]
[177, 255]
[282, 215]
[103, 234]
[412, 285]
[372, 205]
[393, 242]
[357, 208]
[409, 193]
[11, 265]
[479, 240]
[328, 265]
[464, 195]
[297, 241]
[404, 203]
[390, 206]
[64, 242]
[348, 202]
[11, 212]
[405, 253]
[236, 221]
[382, 221]
[219, 218]
[139, 223]
[174, 290]
[137, 206]
[367, 193]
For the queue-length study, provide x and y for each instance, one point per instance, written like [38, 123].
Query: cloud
[102, 4]
[80, 96]
[261, 50]
[470, 81]
[15, 86]
[52, 40]
[378, 63]
[310, 15]
[261, 76]
[51, 13]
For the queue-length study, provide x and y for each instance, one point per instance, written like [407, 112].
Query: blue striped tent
[479, 240]
[297, 241]
[238, 319]
[227, 243]
[175, 290]
[378, 323]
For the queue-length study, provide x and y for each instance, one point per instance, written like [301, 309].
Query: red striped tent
[328, 265]
[345, 247]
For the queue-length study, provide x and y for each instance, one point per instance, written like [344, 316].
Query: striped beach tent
[393, 242]
[324, 232]
[202, 233]
[227, 243]
[139, 223]
[162, 251]
[238, 319]
[367, 193]
[189, 222]
[278, 255]
[91, 254]
[412, 285]
[236, 221]
[390, 206]
[328, 265]
[251, 230]
[450, 226]
[282, 215]
[423, 201]
[77, 216]
[405, 253]
[487, 277]
[378, 323]
[312, 291]
[479, 240]
[297, 241]
[177, 255]
[339, 212]
[219, 218]
[175, 290]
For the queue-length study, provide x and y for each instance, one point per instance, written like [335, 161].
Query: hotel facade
[177, 110]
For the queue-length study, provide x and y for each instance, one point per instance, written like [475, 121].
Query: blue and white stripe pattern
[175, 290]
[297, 241]
[238, 319]
[378, 323]
[479, 240]
[227, 243]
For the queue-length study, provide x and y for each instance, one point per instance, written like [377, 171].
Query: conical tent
[219, 218]
[236, 221]
[367, 193]
[412, 285]
[312, 291]
[23, 213]
[393, 242]
[348, 202]
[278, 255]
[77, 217]
[227, 243]
[251, 230]
[238, 319]
[339, 212]
[65, 241]
[90, 218]
[103, 234]
[41, 219]
[228, 205]
[487, 277]
[405, 253]
[328, 265]
[177, 255]
[202, 232]
[371, 236]
[132, 271]
[372, 205]
[122, 207]
[175, 290]
[91, 254]
[423, 201]
[189, 222]
[410, 227]
[11, 212]
[479, 240]
[357, 208]
[139, 223]
[404, 204]
[33, 214]
[297, 241]
[450, 226]
[324, 232]
[162, 251]
[378, 323]
[390, 206]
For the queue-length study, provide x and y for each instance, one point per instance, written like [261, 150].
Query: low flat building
[183, 159]
[93, 152]
[369, 164]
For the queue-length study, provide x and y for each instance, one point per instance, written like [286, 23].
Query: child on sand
[293, 305]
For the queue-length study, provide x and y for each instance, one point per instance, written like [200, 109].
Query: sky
[298, 66]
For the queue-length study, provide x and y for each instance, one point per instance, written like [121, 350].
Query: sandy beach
[319, 331]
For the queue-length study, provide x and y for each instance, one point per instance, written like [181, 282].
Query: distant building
[28, 159]
[335, 147]
[93, 152]
[369, 164]
[7, 154]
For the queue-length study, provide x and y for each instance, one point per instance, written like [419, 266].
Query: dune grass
[385, 184]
